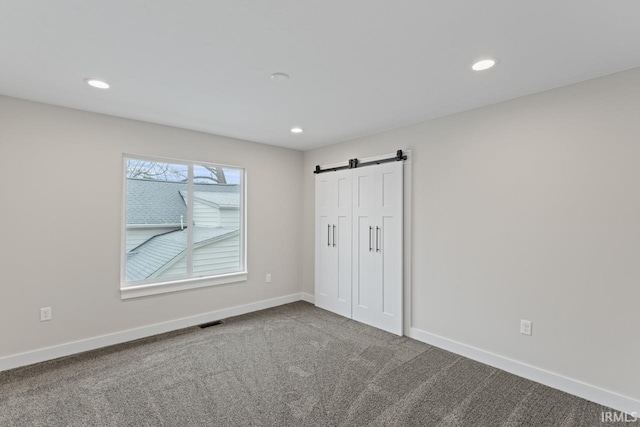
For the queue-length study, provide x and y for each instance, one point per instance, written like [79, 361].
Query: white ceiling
[357, 66]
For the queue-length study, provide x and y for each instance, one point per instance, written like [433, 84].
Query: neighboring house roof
[219, 199]
[155, 202]
[151, 202]
[161, 251]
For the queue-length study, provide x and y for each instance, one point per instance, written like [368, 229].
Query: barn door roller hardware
[355, 163]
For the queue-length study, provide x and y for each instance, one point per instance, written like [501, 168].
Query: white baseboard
[308, 297]
[559, 382]
[67, 349]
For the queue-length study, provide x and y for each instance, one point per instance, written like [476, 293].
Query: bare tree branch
[142, 169]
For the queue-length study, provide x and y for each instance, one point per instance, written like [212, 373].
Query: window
[183, 221]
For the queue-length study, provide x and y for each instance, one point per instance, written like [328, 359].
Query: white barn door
[333, 242]
[377, 246]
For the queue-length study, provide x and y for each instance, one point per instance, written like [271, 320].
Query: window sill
[137, 291]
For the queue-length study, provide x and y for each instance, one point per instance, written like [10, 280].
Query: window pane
[217, 220]
[156, 220]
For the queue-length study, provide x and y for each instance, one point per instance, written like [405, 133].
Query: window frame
[189, 280]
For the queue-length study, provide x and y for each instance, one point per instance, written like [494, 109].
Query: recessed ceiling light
[485, 64]
[97, 83]
[279, 77]
[296, 130]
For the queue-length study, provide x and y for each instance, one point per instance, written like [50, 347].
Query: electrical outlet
[268, 277]
[45, 314]
[526, 327]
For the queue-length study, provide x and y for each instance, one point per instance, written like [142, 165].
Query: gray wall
[525, 209]
[61, 186]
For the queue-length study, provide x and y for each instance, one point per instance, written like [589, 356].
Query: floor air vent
[210, 324]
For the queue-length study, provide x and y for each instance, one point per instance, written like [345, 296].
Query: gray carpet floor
[293, 365]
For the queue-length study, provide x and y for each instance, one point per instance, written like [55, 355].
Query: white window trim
[179, 283]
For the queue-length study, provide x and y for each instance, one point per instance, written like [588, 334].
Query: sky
[179, 172]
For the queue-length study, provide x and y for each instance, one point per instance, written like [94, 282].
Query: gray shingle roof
[155, 202]
[160, 202]
[157, 252]
[226, 199]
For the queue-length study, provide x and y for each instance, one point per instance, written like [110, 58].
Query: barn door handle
[328, 235]
[370, 233]
[334, 235]
[377, 239]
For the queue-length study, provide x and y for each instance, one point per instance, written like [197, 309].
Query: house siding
[206, 215]
[224, 255]
[230, 217]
